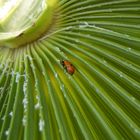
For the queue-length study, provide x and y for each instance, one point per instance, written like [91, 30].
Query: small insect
[68, 66]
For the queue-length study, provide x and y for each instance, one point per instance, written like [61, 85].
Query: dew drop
[129, 49]
[11, 113]
[25, 87]
[43, 73]
[97, 90]
[57, 49]
[37, 97]
[28, 56]
[74, 115]
[7, 132]
[56, 75]
[83, 25]
[36, 83]
[24, 120]
[12, 73]
[25, 102]
[41, 125]
[3, 118]
[121, 74]
[62, 87]
[65, 95]
[37, 106]
[17, 77]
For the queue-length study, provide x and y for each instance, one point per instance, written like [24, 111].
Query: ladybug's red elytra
[68, 66]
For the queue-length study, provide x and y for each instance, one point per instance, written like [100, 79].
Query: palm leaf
[39, 99]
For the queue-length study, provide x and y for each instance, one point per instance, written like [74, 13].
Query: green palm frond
[40, 100]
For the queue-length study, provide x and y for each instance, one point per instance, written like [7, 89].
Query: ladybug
[68, 66]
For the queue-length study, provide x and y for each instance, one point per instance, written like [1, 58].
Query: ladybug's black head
[62, 62]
